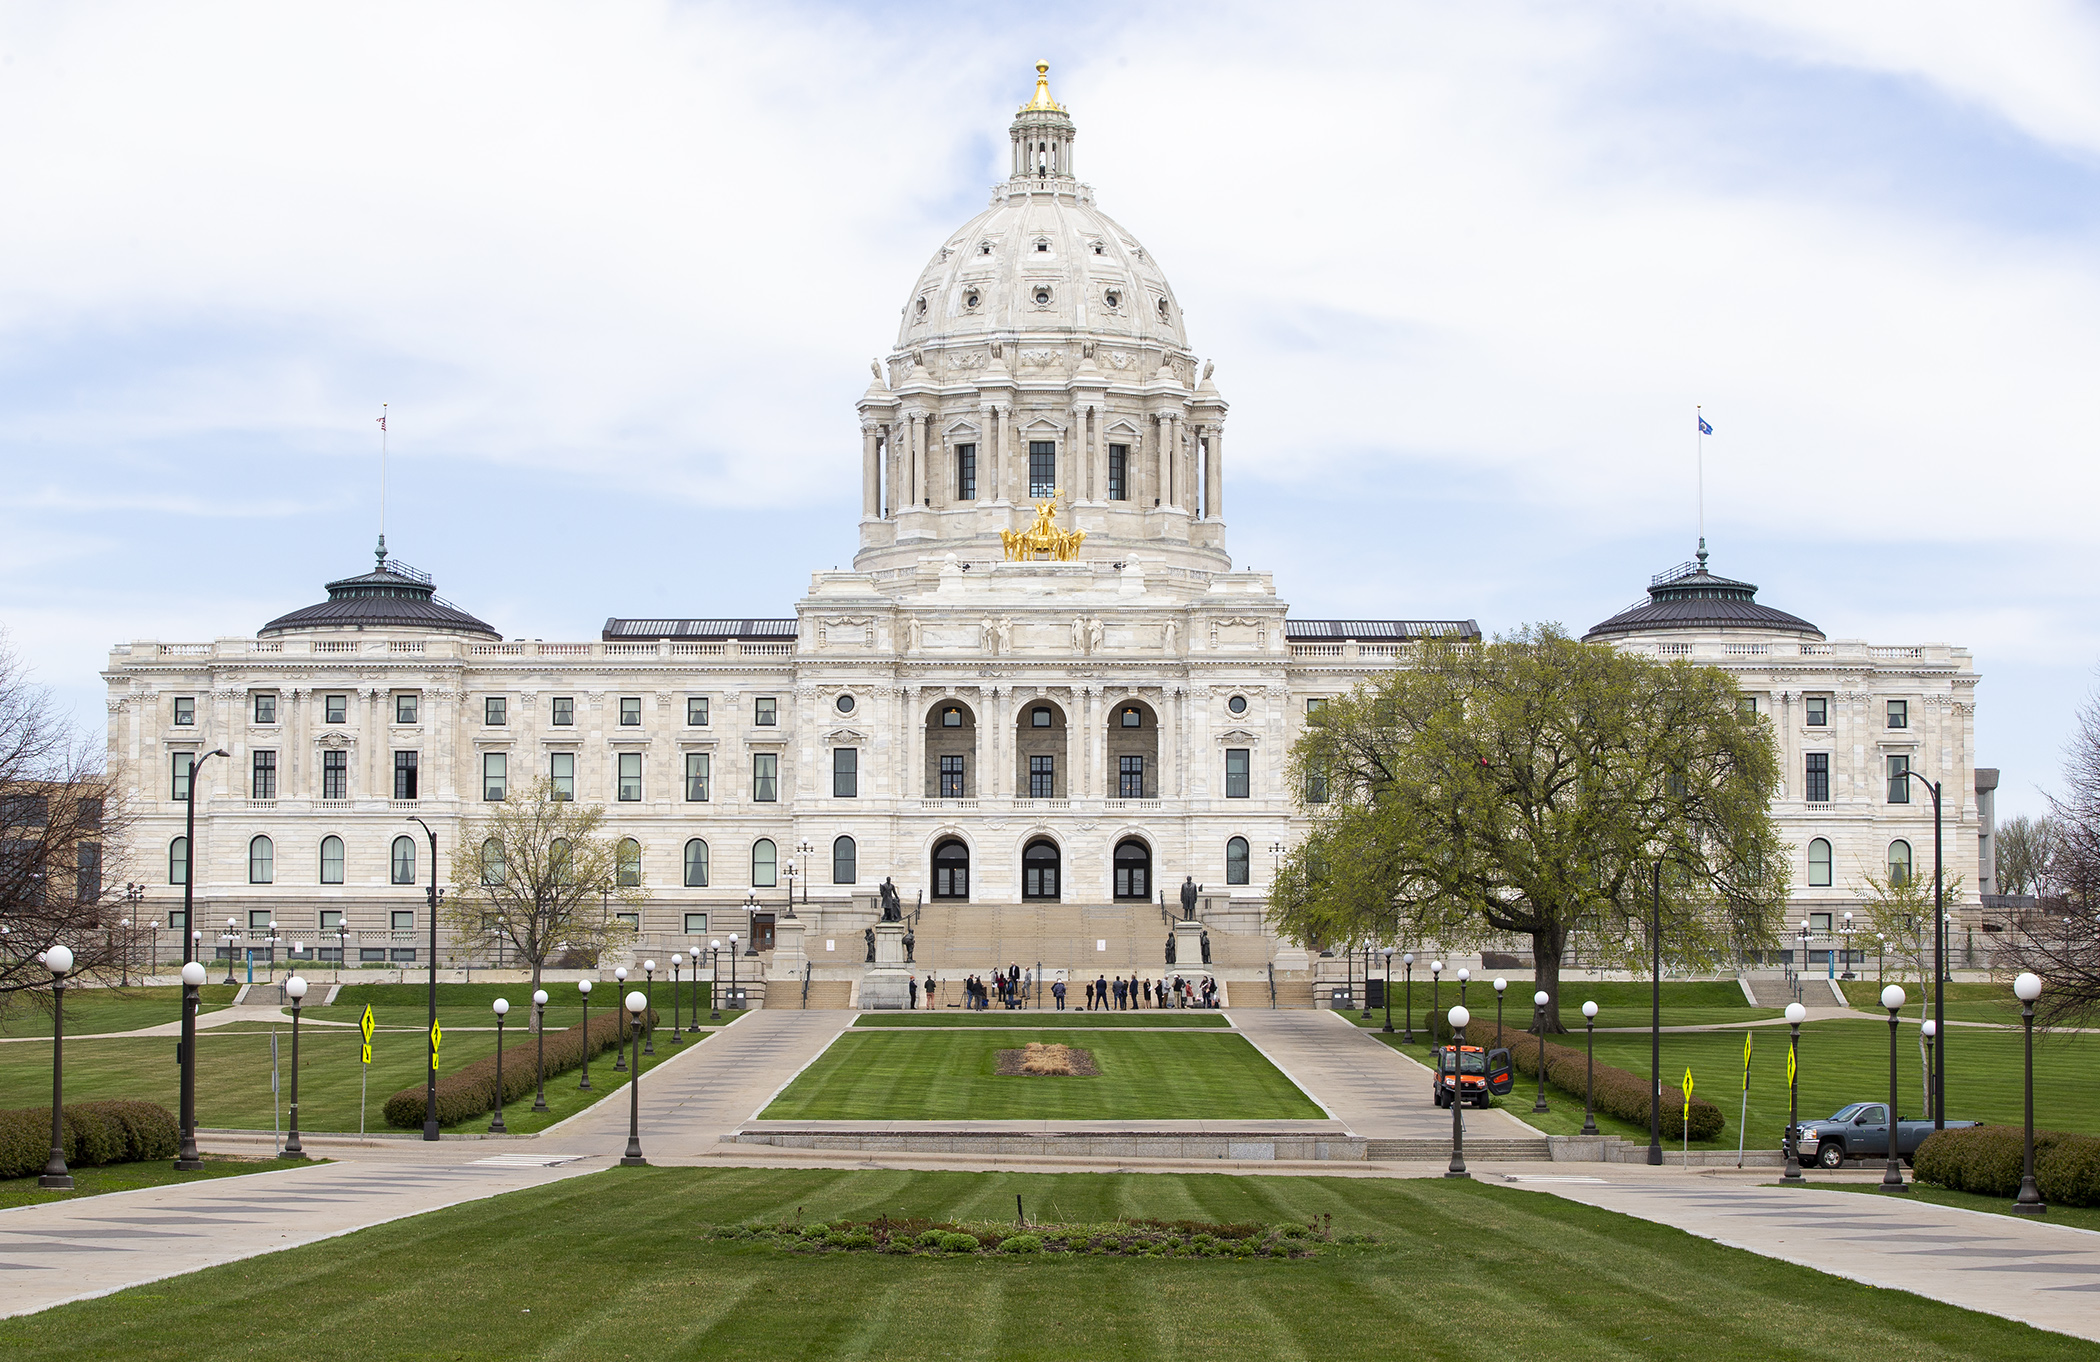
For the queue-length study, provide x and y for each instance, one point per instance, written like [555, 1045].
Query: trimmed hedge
[1986, 1160]
[1619, 1092]
[94, 1133]
[470, 1091]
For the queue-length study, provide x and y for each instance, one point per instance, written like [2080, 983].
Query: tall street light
[1458, 1017]
[1407, 962]
[1655, 1027]
[502, 1008]
[583, 986]
[1931, 1034]
[189, 853]
[1892, 1174]
[186, 1161]
[620, 1054]
[633, 1157]
[1501, 987]
[1538, 1020]
[676, 961]
[295, 989]
[714, 984]
[1436, 991]
[1937, 1098]
[233, 935]
[732, 964]
[1589, 1082]
[750, 924]
[1795, 1015]
[649, 985]
[1367, 982]
[430, 1074]
[539, 1027]
[2027, 988]
[1388, 990]
[59, 960]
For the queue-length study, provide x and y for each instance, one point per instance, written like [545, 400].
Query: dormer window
[1100, 249]
[1043, 244]
[922, 307]
[984, 248]
[1162, 306]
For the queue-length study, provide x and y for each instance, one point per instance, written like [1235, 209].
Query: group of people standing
[1010, 985]
[1014, 987]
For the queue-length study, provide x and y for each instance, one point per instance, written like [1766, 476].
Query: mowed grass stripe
[949, 1075]
[608, 1265]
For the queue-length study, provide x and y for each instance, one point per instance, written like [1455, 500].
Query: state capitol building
[1042, 696]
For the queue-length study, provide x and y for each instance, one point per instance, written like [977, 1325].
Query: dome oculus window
[845, 704]
[1113, 297]
[971, 299]
[1161, 304]
[1042, 296]
[922, 307]
[1237, 704]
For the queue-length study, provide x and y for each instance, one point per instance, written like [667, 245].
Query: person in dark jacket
[1057, 991]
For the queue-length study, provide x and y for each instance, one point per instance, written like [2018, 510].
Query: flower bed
[1129, 1238]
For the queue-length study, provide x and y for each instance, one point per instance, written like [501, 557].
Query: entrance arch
[951, 869]
[1042, 864]
[1133, 871]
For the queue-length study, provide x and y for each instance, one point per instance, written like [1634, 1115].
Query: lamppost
[583, 986]
[1463, 976]
[1931, 1034]
[1407, 962]
[133, 894]
[732, 964]
[1501, 987]
[1367, 982]
[430, 1075]
[1845, 932]
[186, 1161]
[1939, 950]
[649, 985]
[633, 1157]
[1655, 1026]
[502, 1008]
[342, 948]
[295, 989]
[1803, 968]
[1388, 990]
[539, 1028]
[1538, 1021]
[1589, 1082]
[1795, 1015]
[620, 1053]
[750, 925]
[1436, 989]
[2027, 988]
[59, 960]
[804, 854]
[189, 853]
[693, 958]
[1881, 958]
[676, 1037]
[231, 934]
[714, 985]
[791, 870]
[1458, 1017]
[1892, 1173]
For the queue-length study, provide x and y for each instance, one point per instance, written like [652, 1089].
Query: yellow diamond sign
[365, 1025]
[437, 1036]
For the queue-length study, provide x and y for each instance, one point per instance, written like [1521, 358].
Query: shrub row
[1987, 1159]
[1619, 1092]
[93, 1133]
[471, 1090]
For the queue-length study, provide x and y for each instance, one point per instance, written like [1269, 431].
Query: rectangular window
[1042, 469]
[630, 777]
[87, 872]
[185, 710]
[371, 954]
[1130, 778]
[405, 775]
[1119, 472]
[696, 925]
[335, 709]
[631, 921]
[696, 710]
[1899, 714]
[966, 472]
[631, 711]
[1817, 789]
[1817, 713]
[331, 919]
[495, 766]
[263, 784]
[404, 919]
[766, 713]
[696, 764]
[564, 710]
[179, 788]
[1237, 784]
[1315, 704]
[765, 776]
[495, 711]
[405, 709]
[845, 772]
[335, 775]
[1746, 705]
[561, 770]
[1316, 787]
[952, 778]
[1899, 780]
[178, 921]
[266, 707]
[1042, 777]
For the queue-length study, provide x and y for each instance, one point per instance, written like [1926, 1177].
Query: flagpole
[1699, 425]
[382, 482]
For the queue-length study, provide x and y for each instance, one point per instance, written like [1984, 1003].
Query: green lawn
[469, 1005]
[127, 1177]
[610, 1266]
[1963, 1002]
[948, 1075]
[98, 1011]
[1620, 1003]
[1043, 1019]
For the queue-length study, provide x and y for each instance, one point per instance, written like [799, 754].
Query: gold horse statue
[1043, 541]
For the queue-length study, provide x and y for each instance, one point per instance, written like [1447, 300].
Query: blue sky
[1464, 270]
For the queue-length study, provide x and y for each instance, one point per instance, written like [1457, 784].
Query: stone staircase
[1512, 1148]
[1292, 992]
[1771, 990]
[1085, 939]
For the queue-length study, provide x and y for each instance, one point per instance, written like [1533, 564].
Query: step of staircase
[1293, 993]
[1506, 1148]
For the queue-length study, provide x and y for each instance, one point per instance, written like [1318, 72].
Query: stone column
[893, 457]
[1214, 476]
[1162, 428]
[870, 474]
[914, 745]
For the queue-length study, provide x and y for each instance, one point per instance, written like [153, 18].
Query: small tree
[2059, 939]
[536, 874]
[2026, 855]
[1900, 909]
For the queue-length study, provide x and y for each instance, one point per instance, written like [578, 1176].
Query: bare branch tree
[2059, 938]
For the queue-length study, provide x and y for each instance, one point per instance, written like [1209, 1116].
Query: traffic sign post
[364, 1028]
[1687, 1116]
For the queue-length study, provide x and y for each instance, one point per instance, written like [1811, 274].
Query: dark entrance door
[1039, 871]
[1133, 870]
[762, 931]
[951, 870]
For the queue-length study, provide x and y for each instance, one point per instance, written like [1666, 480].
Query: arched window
[179, 861]
[845, 861]
[558, 860]
[696, 864]
[494, 866]
[331, 860]
[1236, 858]
[404, 860]
[765, 864]
[951, 870]
[262, 861]
[1899, 864]
[1133, 870]
[1819, 864]
[1039, 870]
[628, 863]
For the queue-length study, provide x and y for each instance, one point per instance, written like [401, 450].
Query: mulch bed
[1048, 1061]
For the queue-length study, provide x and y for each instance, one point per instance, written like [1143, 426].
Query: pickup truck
[1861, 1131]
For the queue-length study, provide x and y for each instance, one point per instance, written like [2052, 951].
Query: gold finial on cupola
[1042, 101]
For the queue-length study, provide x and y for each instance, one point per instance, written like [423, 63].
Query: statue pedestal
[1188, 952]
[887, 984]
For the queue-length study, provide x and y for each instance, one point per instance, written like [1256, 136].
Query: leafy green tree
[1529, 787]
[536, 873]
[1898, 909]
